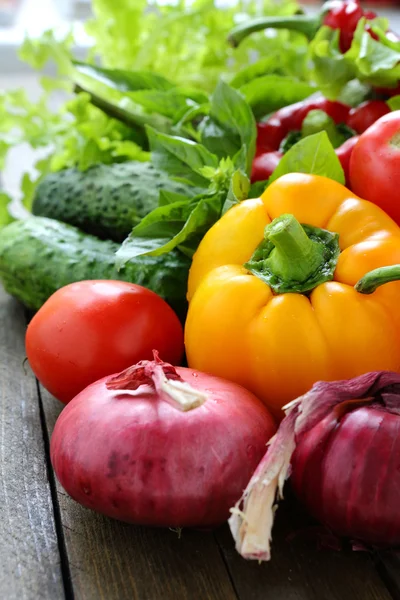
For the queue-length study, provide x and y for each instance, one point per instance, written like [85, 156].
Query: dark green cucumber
[106, 200]
[39, 255]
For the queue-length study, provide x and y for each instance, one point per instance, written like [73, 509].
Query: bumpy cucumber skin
[39, 255]
[106, 200]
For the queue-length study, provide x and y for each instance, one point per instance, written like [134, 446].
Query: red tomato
[91, 329]
[364, 115]
[375, 165]
[344, 153]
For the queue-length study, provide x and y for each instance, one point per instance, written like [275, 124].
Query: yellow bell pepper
[273, 305]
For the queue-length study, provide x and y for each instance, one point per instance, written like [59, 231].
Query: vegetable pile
[239, 220]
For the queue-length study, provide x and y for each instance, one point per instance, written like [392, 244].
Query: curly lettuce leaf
[373, 62]
[5, 215]
[143, 54]
[186, 39]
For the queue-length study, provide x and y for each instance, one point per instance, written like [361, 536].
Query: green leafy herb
[271, 92]
[394, 103]
[238, 190]
[182, 222]
[258, 188]
[372, 62]
[123, 80]
[5, 216]
[181, 158]
[315, 155]
[184, 39]
[168, 197]
[230, 124]
[168, 226]
[157, 67]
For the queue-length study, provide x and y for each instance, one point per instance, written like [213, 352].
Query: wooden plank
[29, 556]
[300, 569]
[109, 560]
[388, 563]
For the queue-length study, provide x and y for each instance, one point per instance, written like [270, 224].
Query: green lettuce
[372, 62]
[108, 106]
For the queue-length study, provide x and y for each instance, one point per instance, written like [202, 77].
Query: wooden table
[51, 548]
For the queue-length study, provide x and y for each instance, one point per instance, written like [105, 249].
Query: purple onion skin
[346, 471]
[140, 460]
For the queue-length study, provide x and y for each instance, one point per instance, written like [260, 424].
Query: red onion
[160, 445]
[340, 444]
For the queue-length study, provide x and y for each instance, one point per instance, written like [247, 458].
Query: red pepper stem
[300, 23]
[374, 279]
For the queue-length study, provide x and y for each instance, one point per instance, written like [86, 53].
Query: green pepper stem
[374, 279]
[295, 257]
[301, 23]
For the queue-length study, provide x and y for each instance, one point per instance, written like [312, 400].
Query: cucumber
[106, 200]
[39, 255]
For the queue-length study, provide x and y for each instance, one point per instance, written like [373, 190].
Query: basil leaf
[216, 140]
[271, 92]
[240, 159]
[238, 190]
[394, 103]
[168, 197]
[173, 103]
[315, 155]
[231, 124]
[169, 226]
[180, 157]
[258, 188]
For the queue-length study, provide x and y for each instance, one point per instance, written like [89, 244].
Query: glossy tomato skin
[375, 165]
[363, 116]
[344, 153]
[90, 329]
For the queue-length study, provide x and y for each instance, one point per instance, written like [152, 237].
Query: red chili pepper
[388, 91]
[264, 165]
[271, 133]
[344, 153]
[364, 115]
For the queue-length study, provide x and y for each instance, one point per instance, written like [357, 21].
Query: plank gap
[64, 562]
[387, 563]
[226, 563]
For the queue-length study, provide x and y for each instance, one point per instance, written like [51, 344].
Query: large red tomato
[91, 329]
[375, 165]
